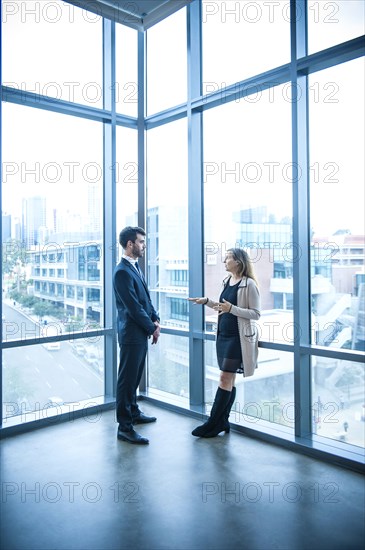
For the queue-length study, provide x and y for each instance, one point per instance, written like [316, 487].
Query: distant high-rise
[17, 230]
[6, 227]
[94, 208]
[33, 218]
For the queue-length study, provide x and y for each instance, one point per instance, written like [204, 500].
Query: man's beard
[137, 253]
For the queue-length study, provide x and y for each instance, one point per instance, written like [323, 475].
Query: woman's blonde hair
[244, 261]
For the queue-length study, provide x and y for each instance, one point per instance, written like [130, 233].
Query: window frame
[295, 72]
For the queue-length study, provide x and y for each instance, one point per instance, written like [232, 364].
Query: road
[32, 374]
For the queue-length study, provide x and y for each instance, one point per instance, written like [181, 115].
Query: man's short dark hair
[129, 233]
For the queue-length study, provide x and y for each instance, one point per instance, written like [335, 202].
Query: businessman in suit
[137, 321]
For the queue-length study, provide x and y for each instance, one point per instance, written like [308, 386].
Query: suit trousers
[131, 365]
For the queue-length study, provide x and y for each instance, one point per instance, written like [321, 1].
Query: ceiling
[138, 14]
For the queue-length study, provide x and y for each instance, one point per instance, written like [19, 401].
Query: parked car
[95, 365]
[52, 346]
[91, 357]
[79, 349]
[51, 330]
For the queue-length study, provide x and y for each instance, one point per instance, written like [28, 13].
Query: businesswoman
[236, 338]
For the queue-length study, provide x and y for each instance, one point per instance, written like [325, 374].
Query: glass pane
[268, 395]
[52, 207]
[338, 390]
[232, 31]
[45, 380]
[337, 206]
[330, 23]
[167, 222]
[53, 49]
[247, 175]
[168, 367]
[126, 179]
[167, 63]
[126, 90]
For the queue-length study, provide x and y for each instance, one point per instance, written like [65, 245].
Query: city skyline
[68, 222]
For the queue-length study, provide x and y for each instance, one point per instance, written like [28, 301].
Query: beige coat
[247, 312]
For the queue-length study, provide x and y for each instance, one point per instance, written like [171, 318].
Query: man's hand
[156, 334]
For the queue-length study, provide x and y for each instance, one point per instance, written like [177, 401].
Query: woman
[237, 339]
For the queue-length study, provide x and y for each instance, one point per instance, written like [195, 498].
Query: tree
[29, 301]
[17, 390]
[13, 254]
[42, 308]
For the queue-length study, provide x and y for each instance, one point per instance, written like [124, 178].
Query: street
[33, 374]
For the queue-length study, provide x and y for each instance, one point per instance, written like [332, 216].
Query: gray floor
[74, 486]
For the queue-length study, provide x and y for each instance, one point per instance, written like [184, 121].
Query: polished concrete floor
[74, 486]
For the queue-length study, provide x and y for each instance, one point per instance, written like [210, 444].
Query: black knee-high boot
[230, 405]
[216, 423]
[223, 425]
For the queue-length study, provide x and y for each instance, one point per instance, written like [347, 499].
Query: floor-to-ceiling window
[126, 103]
[247, 175]
[229, 123]
[167, 208]
[166, 63]
[167, 249]
[52, 270]
[52, 208]
[266, 137]
[336, 138]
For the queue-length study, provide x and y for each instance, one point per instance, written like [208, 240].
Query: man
[137, 321]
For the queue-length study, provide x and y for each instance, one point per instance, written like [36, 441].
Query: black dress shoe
[132, 437]
[143, 419]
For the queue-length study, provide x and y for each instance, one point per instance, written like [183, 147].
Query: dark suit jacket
[136, 313]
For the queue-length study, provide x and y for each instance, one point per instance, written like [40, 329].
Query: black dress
[229, 355]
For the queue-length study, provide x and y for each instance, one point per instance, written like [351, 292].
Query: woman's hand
[223, 307]
[198, 301]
